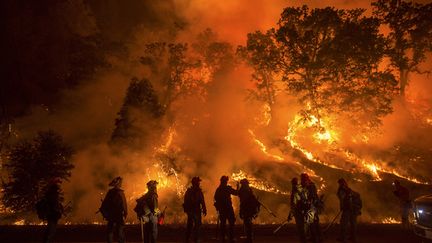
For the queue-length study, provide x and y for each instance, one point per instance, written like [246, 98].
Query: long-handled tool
[217, 226]
[67, 209]
[283, 223]
[142, 229]
[280, 226]
[268, 210]
[332, 222]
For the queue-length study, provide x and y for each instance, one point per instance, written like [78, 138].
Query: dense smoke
[207, 138]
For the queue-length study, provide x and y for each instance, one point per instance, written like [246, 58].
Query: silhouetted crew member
[350, 209]
[310, 211]
[249, 208]
[193, 206]
[114, 209]
[297, 209]
[151, 212]
[53, 199]
[402, 194]
[223, 204]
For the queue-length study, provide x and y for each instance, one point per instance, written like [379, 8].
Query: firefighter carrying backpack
[139, 207]
[320, 204]
[356, 202]
[256, 206]
[111, 203]
[253, 206]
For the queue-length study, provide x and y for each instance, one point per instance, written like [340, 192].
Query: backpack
[256, 206]
[320, 204]
[356, 202]
[42, 209]
[139, 207]
[192, 200]
[251, 207]
[111, 204]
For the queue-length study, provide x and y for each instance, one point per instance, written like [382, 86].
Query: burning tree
[141, 112]
[262, 53]
[329, 59]
[178, 71]
[148, 100]
[175, 71]
[214, 55]
[32, 165]
[171, 70]
[409, 39]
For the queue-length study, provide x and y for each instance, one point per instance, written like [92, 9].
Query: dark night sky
[51, 45]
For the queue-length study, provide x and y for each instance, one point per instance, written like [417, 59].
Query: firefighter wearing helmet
[114, 210]
[223, 204]
[403, 195]
[151, 212]
[194, 206]
[350, 206]
[309, 205]
[297, 207]
[249, 208]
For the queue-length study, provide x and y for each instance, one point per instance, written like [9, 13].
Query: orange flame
[264, 148]
[257, 183]
[390, 220]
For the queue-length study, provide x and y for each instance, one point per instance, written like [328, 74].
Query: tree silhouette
[215, 55]
[173, 70]
[262, 53]
[32, 165]
[139, 116]
[328, 59]
[409, 39]
[176, 71]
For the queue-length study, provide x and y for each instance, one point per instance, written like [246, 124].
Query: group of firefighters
[305, 204]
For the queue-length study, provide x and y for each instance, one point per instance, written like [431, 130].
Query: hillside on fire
[170, 90]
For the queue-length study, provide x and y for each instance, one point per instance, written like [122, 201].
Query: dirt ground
[367, 233]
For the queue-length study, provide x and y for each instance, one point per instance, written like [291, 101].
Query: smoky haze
[209, 138]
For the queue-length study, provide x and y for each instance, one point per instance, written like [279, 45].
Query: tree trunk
[403, 81]
[269, 89]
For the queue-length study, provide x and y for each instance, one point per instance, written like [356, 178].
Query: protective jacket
[194, 200]
[249, 204]
[222, 198]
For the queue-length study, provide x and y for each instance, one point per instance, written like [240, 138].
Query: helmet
[152, 183]
[304, 178]
[342, 182]
[224, 178]
[244, 182]
[195, 180]
[294, 181]
[116, 181]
